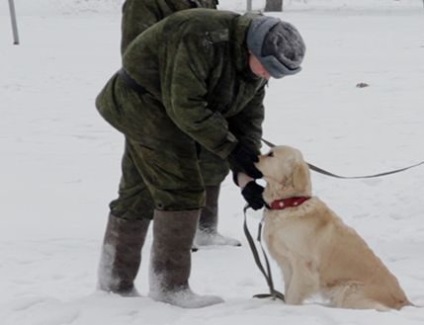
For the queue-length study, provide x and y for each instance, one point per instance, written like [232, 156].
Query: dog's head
[285, 172]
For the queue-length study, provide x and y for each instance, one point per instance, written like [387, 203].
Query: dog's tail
[405, 303]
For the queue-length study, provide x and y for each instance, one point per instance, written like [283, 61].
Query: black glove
[252, 193]
[244, 158]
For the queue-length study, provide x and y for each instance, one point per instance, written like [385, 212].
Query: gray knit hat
[277, 44]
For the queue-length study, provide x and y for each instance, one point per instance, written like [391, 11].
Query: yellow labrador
[316, 251]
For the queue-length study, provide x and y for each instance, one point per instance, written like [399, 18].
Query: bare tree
[274, 5]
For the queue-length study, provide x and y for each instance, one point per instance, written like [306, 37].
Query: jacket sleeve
[137, 16]
[247, 125]
[189, 62]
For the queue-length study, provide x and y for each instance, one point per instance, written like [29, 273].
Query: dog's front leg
[294, 291]
[302, 284]
[286, 268]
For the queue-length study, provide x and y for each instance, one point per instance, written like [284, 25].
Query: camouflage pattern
[138, 15]
[200, 93]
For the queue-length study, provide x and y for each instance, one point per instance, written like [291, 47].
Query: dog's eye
[270, 154]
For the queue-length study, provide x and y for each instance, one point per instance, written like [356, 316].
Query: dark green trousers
[155, 179]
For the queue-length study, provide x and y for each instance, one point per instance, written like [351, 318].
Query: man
[137, 16]
[195, 79]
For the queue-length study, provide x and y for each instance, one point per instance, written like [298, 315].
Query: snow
[60, 162]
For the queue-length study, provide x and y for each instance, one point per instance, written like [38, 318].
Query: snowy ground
[59, 164]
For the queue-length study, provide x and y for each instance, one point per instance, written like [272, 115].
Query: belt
[131, 83]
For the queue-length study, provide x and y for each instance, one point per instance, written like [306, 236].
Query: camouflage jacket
[138, 15]
[195, 63]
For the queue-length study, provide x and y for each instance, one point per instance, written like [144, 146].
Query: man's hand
[245, 158]
[252, 193]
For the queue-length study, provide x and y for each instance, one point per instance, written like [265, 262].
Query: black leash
[324, 172]
[274, 294]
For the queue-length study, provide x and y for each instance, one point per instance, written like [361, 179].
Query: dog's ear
[301, 178]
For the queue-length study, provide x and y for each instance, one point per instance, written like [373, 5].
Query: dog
[316, 251]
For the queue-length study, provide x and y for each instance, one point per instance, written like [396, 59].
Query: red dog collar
[288, 203]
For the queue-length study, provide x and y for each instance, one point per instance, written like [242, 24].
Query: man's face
[257, 67]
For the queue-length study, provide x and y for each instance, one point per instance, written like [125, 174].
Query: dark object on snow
[362, 85]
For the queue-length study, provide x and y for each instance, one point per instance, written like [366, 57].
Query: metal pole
[14, 23]
[249, 5]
